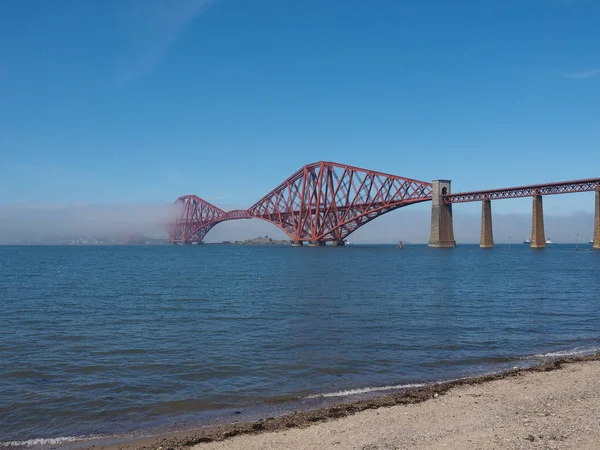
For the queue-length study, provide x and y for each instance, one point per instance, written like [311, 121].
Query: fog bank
[39, 223]
[50, 223]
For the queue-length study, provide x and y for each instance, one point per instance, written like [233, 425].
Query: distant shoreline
[254, 241]
[585, 245]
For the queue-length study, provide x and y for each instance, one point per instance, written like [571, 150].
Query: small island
[266, 240]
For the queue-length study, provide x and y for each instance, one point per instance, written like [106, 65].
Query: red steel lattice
[321, 202]
[196, 218]
[563, 187]
[327, 201]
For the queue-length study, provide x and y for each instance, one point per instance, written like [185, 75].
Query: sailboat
[528, 241]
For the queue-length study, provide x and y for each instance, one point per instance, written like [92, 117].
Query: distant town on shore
[139, 239]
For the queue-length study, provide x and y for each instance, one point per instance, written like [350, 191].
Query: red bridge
[321, 202]
[326, 202]
[442, 230]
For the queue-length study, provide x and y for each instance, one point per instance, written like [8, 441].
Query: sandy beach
[554, 406]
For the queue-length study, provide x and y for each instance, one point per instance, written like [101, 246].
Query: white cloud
[585, 74]
[150, 28]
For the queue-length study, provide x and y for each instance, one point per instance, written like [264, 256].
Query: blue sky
[140, 101]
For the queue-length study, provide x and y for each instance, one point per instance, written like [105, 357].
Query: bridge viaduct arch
[442, 233]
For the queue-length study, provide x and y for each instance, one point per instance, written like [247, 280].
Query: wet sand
[535, 408]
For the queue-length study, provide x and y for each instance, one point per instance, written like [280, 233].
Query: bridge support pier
[338, 243]
[297, 244]
[487, 234]
[317, 244]
[596, 244]
[442, 228]
[538, 237]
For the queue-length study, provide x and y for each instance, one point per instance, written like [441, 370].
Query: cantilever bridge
[322, 202]
[325, 202]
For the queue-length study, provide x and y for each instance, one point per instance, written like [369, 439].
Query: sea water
[105, 341]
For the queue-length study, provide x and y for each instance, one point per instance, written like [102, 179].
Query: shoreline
[303, 420]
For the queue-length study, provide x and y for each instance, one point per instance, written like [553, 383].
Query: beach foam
[578, 351]
[365, 390]
[41, 442]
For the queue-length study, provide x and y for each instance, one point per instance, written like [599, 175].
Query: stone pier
[538, 238]
[442, 229]
[339, 243]
[297, 244]
[597, 222]
[487, 234]
[317, 244]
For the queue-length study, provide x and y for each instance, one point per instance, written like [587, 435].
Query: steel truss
[321, 202]
[563, 187]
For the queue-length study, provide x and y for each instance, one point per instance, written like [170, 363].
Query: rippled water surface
[100, 340]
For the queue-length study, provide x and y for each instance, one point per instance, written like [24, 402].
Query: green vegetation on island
[266, 240]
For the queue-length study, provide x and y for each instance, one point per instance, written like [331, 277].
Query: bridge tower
[597, 221]
[487, 234]
[442, 228]
[538, 237]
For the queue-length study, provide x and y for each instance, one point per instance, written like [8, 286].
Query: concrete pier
[597, 222]
[317, 244]
[538, 237]
[442, 228]
[487, 234]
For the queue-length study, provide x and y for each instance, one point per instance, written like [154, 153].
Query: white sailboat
[528, 241]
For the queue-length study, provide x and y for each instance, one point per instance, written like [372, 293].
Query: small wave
[578, 351]
[366, 390]
[45, 441]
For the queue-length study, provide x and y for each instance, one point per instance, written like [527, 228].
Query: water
[104, 340]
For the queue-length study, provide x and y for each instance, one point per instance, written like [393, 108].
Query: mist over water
[42, 223]
[39, 223]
